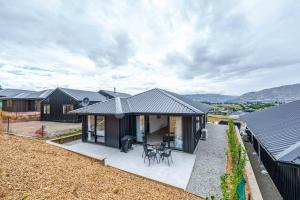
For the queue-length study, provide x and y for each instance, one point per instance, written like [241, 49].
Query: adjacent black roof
[79, 95]
[278, 130]
[12, 92]
[30, 95]
[152, 101]
[113, 94]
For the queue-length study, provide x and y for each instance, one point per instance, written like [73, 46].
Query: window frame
[9, 103]
[46, 109]
[67, 108]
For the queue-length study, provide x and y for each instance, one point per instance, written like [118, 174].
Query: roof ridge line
[180, 101]
[118, 104]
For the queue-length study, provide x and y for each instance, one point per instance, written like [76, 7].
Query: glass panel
[100, 129]
[198, 123]
[140, 128]
[91, 128]
[176, 139]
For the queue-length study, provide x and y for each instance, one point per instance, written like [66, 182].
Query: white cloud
[225, 47]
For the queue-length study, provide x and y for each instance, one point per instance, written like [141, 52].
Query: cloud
[184, 46]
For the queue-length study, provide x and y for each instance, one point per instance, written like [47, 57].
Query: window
[67, 108]
[9, 103]
[47, 109]
[31, 105]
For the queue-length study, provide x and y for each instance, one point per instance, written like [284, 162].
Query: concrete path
[177, 174]
[210, 163]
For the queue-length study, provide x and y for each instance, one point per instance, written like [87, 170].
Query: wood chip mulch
[38, 170]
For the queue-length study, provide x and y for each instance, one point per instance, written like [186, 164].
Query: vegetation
[237, 160]
[228, 108]
[72, 132]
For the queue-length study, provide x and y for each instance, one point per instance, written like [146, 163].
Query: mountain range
[286, 93]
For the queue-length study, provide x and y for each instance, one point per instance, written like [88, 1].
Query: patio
[177, 174]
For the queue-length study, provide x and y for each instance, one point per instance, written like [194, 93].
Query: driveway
[210, 163]
[51, 128]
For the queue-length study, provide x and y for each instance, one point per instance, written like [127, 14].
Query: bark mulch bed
[37, 170]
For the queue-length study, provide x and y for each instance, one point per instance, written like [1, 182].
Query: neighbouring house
[10, 92]
[275, 136]
[22, 101]
[63, 100]
[150, 117]
[113, 94]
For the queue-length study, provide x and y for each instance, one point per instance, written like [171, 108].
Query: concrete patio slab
[177, 174]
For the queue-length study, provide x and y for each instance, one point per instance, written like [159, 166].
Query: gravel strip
[210, 163]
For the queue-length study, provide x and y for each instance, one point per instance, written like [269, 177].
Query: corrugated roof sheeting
[30, 95]
[155, 101]
[115, 94]
[12, 92]
[79, 95]
[276, 128]
[152, 101]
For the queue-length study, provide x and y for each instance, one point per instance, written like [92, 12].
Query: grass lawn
[40, 171]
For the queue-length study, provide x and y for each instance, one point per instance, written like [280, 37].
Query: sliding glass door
[91, 128]
[100, 129]
[140, 128]
[175, 129]
[96, 129]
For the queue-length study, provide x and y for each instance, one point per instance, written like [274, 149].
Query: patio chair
[149, 148]
[149, 154]
[167, 154]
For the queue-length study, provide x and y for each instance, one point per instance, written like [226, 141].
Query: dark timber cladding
[56, 100]
[112, 127]
[54, 107]
[275, 136]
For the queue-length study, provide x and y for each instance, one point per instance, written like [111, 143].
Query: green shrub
[238, 162]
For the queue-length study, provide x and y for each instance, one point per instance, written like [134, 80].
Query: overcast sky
[227, 47]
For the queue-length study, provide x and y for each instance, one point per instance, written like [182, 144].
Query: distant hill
[212, 98]
[284, 93]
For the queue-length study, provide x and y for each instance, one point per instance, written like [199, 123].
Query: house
[22, 101]
[10, 92]
[150, 117]
[275, 136]
[113, 94]
[62, 100]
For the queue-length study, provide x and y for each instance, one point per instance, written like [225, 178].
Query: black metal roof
[278, 130]
[30, 95]
[152, 101]
[12, 92]
[113, 94]
[79, 95]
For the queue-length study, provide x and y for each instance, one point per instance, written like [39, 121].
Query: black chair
[167, 154]
[168, 139]
[149, 148]
[150, 154]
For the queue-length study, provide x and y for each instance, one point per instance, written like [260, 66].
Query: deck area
[177, 174]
